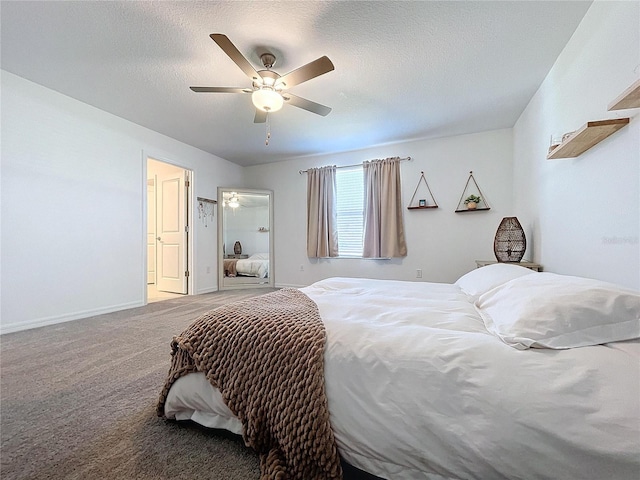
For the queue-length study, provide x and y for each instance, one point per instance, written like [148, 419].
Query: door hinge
[186, 228]
[186, 183]
[186, 273]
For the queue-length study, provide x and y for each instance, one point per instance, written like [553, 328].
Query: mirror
[245, 239]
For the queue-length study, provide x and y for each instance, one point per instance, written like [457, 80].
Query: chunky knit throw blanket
[266, 356]
[230, 267]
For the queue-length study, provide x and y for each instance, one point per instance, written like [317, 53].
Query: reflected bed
[257, 265]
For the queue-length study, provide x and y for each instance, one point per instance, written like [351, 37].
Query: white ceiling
[403, 70]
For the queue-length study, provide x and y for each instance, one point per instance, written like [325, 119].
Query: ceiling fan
[269, 90]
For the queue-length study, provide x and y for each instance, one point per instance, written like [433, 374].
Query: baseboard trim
[43, 322]
[288, 285]
[207, 290]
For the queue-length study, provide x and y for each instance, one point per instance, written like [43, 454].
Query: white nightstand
[530, 265]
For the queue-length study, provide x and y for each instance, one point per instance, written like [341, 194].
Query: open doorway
[167, 273]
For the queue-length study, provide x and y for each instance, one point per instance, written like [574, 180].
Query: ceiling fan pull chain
[268, 129]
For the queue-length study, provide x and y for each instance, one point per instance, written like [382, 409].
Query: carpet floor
[77, 401]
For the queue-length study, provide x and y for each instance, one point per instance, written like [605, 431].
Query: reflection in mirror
[245, 246]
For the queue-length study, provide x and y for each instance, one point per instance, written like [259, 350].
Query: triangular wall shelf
[422, 202]
[472, 189]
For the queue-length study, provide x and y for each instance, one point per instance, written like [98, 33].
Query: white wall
[584, 212]
[442, 243]
[242, 225]
[73, 197]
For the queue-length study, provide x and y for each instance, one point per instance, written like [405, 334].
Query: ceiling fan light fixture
[233, 202]
[267, 99]
[267, 86]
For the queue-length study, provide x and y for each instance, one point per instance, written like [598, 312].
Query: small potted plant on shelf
[472, 202]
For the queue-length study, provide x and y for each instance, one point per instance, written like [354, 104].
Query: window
[350, 201]
[342, 222]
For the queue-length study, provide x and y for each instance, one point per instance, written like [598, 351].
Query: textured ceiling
[403, 70]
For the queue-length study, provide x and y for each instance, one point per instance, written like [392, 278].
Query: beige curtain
[383, 221]
[322, 232]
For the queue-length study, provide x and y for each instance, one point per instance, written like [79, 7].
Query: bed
[505, 374]
[257, 265]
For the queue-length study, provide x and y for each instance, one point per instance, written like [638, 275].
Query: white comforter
[253, 267]
[419, 389]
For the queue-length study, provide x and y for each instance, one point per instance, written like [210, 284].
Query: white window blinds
[350, 201]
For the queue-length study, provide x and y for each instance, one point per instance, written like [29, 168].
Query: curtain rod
[408, 159]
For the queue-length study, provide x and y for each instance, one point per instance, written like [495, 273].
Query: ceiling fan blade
[221, 89]
[311, 70]
[230, 49]
[305, 104]
[261, 117]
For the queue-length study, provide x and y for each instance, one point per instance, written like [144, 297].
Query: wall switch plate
[419, 273]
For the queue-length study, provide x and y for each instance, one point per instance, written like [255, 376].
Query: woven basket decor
[510, 242]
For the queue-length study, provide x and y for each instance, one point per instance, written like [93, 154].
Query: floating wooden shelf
[418, 208]
[472, 209]
[630, 98]
[589, 135]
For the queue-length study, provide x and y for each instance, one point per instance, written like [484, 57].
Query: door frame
[146, 155]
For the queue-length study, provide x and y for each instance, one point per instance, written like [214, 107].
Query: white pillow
[483, 279]
[260, 256]
[558, 311]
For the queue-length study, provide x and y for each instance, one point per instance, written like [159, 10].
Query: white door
[171, 228]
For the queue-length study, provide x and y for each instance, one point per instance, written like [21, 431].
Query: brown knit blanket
[266, 356]
[230, 267]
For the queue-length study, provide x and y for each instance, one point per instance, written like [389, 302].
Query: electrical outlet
[302, 268]
[419, 273]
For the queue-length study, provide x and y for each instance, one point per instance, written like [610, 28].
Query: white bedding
[257, 265]
[419, 389]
